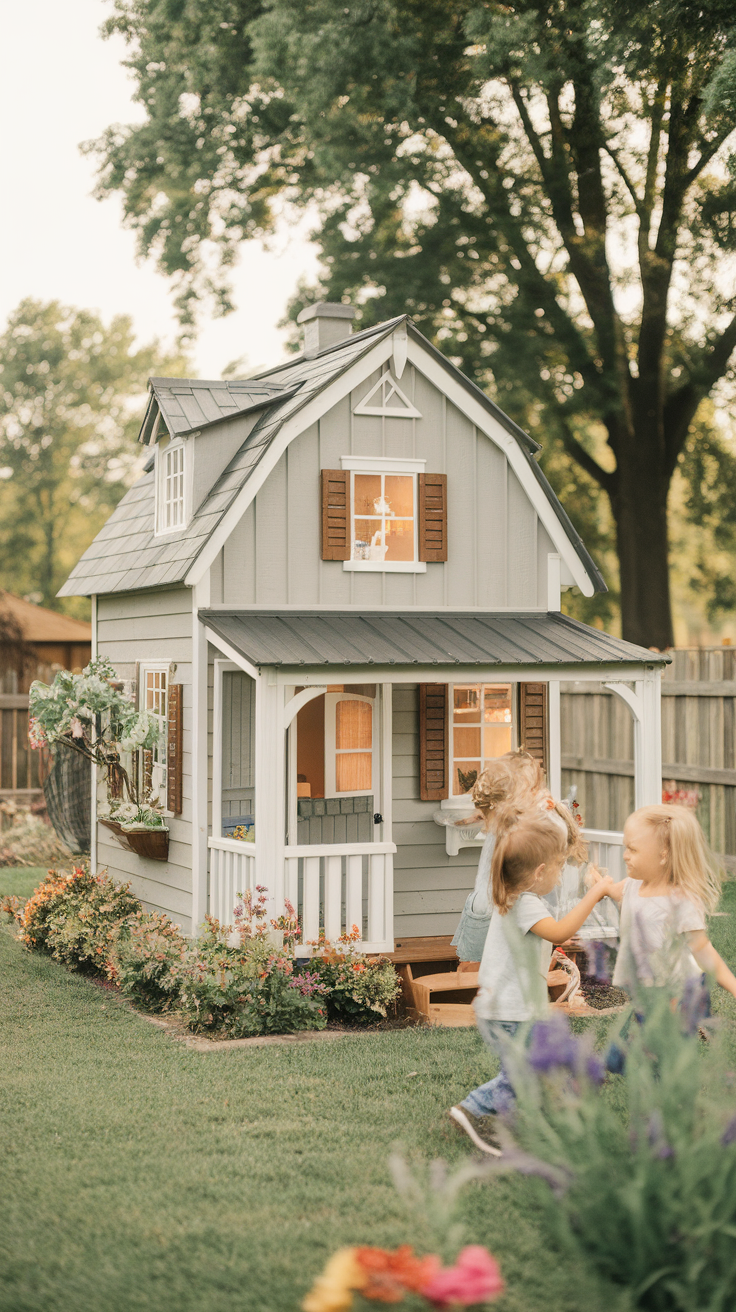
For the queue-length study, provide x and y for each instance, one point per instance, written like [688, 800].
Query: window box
[150, 843]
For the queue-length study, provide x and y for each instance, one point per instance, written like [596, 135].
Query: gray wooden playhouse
[338, 587]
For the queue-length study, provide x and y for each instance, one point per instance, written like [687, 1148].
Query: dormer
[193, 430]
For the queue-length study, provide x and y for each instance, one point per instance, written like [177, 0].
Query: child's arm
[558, 931]
[709, 960]
[616, 891]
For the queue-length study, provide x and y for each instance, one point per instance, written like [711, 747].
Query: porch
[331, 848]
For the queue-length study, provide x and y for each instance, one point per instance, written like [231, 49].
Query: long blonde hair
[690, 866]
[514, 776]
[526, 840]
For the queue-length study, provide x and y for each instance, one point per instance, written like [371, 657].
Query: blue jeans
[497, 1095]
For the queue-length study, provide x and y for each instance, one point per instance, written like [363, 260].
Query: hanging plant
[89, 714]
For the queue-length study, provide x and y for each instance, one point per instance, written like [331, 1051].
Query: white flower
[77, 727]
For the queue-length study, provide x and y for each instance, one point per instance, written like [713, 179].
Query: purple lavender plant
[553, 1046]
[694, 1003]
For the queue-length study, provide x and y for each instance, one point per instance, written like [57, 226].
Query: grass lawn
[137, 1174]
[20, 880]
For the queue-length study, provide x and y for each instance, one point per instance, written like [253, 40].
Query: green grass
[139, 1175]
[20, 880]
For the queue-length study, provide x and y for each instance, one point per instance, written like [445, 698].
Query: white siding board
[491, 517]
[175, 601]
[522, 545]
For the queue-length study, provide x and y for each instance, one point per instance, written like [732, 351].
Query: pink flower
[475, 1278]
[77, 727]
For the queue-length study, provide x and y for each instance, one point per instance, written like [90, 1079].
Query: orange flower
[333, 1290]
[390, 1275]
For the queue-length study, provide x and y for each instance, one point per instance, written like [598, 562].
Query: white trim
[220, 668]
[231, 652]
[554, 770]
[408, 410]
[400, 339]
[386, 804]
[93, 798]
[294, 705]
[157, 667]
[554, 581]
[339, 849]
[597, 672]
[385, 567]
[644, 702]
[200, 767]
[382, 465]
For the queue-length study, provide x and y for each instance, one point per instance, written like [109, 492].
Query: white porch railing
[332, 887]
[232, 871]
[336, 886]
[606, 848]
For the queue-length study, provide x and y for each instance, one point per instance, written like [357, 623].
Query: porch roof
[316, 638]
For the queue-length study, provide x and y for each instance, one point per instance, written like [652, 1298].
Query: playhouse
[337, 585]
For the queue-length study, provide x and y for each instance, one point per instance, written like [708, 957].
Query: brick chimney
[325, 324]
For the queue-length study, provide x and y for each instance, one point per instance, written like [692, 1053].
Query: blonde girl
[672, 883]
[531, 850]
[515, 778]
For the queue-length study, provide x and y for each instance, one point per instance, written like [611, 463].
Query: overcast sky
[61, 84]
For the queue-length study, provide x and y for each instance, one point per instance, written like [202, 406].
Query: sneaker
[477, 1128]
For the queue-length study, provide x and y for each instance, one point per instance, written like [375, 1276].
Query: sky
[61, 84]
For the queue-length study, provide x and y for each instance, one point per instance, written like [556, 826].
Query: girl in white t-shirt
[531, 850]
[672, 884]
[513, 779]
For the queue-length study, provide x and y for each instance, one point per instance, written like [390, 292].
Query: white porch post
[200, 773]
[555, 738]
[270, 816]
[645, 703]
[387, 785]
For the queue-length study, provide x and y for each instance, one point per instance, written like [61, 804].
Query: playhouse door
[335, 767]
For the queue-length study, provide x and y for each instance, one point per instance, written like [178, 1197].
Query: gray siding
[497, 554]
[430, 887]
[238, 743]
[153, 626]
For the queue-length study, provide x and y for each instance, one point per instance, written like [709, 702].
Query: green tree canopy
[72, 392]
[545, 185]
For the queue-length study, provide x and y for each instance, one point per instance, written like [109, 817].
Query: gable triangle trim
[385, 390]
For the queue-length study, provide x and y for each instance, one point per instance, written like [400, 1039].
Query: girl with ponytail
[530, 851]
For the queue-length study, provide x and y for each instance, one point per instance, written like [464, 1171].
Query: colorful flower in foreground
[553, 1045]
[333, 1290]
[475, 1278]
[390, 1275]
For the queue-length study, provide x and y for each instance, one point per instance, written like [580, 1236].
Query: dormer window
[171, 487]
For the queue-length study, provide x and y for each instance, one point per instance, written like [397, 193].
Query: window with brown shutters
[335, 514]
[433, 517]
[533, 720]
[433, 742]
[174, 746]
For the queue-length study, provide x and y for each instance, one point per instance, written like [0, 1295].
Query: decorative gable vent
[387, 398]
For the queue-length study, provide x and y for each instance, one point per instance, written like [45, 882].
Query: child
[531, 850]
[672, 884]
[514, 778]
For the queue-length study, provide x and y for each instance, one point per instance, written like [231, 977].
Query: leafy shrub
[358, 988]
[148, 961]
[77, 917]
[10, 907]
[643, 1184]
[250, 987]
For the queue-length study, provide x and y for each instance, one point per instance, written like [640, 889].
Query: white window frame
[384, 465]
[163, 455]
[331, 700]
[461, 799]
[159, 781]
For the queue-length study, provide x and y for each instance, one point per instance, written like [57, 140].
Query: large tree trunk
[639, 506]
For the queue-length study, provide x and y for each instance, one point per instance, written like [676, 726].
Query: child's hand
[604, 886]
[592, 876]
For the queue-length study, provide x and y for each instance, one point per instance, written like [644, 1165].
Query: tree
[544, 184]
[71, 397]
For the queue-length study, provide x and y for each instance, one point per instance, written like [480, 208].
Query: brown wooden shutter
[174, 748]
[335, 514]
[434, 761]
[533, 721]
[433, 517]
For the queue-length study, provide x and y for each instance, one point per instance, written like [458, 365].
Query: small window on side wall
[481, 730]
[171, 488]
[154, 698]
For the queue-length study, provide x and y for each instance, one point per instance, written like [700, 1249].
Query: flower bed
[234, 981]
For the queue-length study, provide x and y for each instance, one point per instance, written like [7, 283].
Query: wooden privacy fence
[698, 744]
[22, 771]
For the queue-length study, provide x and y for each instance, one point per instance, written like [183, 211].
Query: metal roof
[419, 638]
[188, 405]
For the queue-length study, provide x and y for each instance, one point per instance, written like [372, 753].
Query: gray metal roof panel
[316, 638]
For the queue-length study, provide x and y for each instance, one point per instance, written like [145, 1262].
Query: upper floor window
[481, 730]
[171, 488]
[383, 518]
